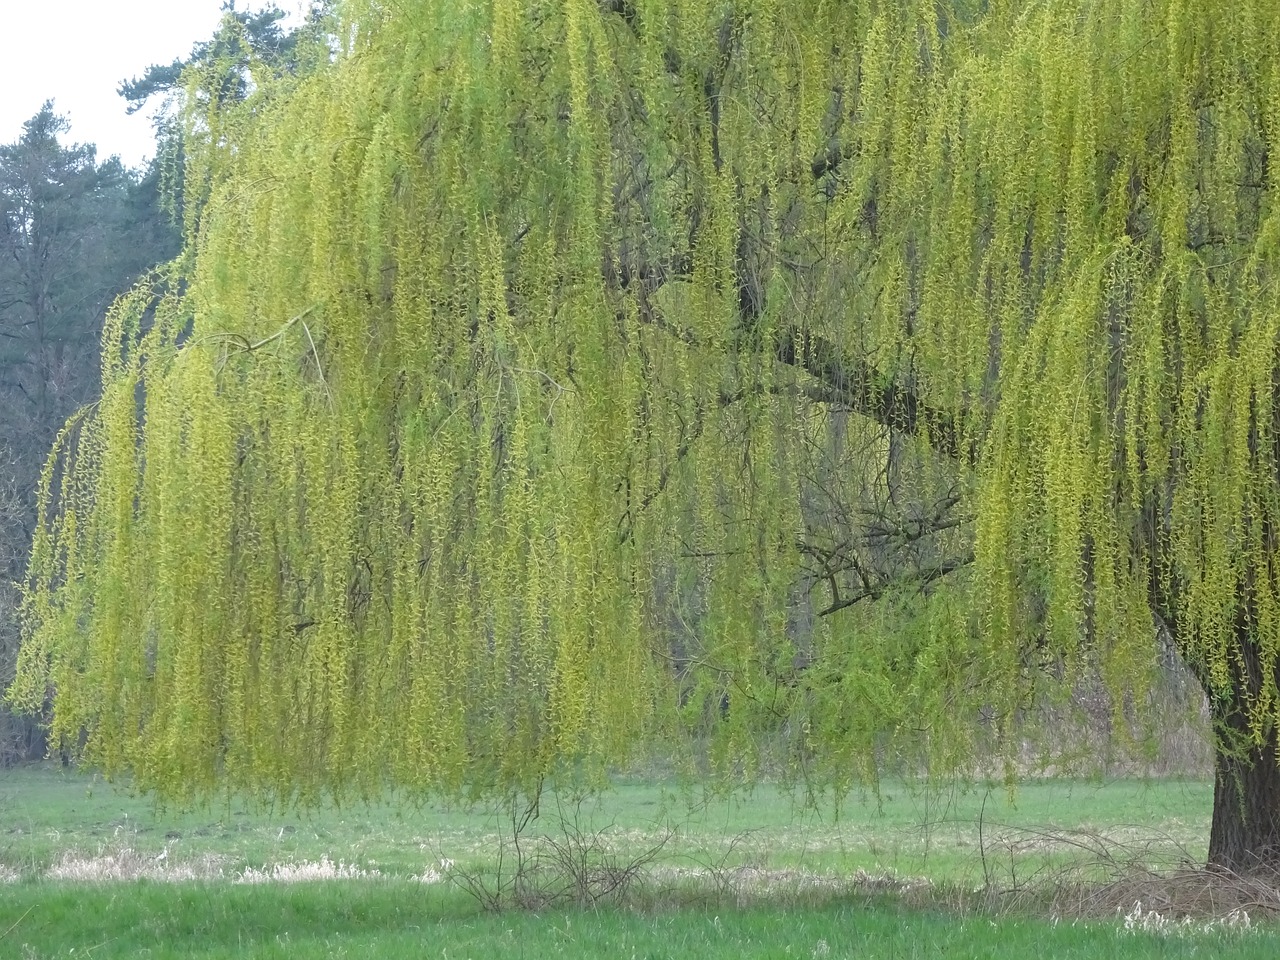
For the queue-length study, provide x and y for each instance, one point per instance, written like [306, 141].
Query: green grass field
[393, 920]
[93, 871]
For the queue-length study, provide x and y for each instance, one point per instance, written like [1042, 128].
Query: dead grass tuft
[307, 871]
[1193, 893]
[124, 864]
[1150, 882]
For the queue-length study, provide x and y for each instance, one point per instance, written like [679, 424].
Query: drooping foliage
[522, 361]
[216, 75]
[75, 231]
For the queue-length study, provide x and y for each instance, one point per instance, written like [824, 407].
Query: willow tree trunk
[1245, 833]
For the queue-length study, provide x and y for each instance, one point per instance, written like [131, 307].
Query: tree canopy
[242, 36]
[516, 393]
[216, 75]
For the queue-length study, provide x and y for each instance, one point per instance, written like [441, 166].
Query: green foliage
[74, 233]
[484, 425]
[242, 37]
[245, 49]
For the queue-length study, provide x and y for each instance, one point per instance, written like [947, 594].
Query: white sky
[76, 52]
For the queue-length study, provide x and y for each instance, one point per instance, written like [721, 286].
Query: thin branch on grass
[15, 923]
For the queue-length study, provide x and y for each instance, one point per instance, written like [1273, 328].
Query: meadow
[92, 870]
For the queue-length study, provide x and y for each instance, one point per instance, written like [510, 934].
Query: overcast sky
[76, 52]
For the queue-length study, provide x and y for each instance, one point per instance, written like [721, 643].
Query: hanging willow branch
[617, 315]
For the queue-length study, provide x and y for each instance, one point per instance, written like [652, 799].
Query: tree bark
[1245, 831]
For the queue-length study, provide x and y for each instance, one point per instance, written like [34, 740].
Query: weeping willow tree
[542, 379]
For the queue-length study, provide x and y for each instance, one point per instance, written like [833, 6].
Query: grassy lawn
[396, 920]
[48, 812]
[749, 876]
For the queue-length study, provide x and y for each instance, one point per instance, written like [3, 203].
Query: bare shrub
[1149, 882]
[573, 864]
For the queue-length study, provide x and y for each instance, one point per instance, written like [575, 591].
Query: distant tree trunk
[1245, 832]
